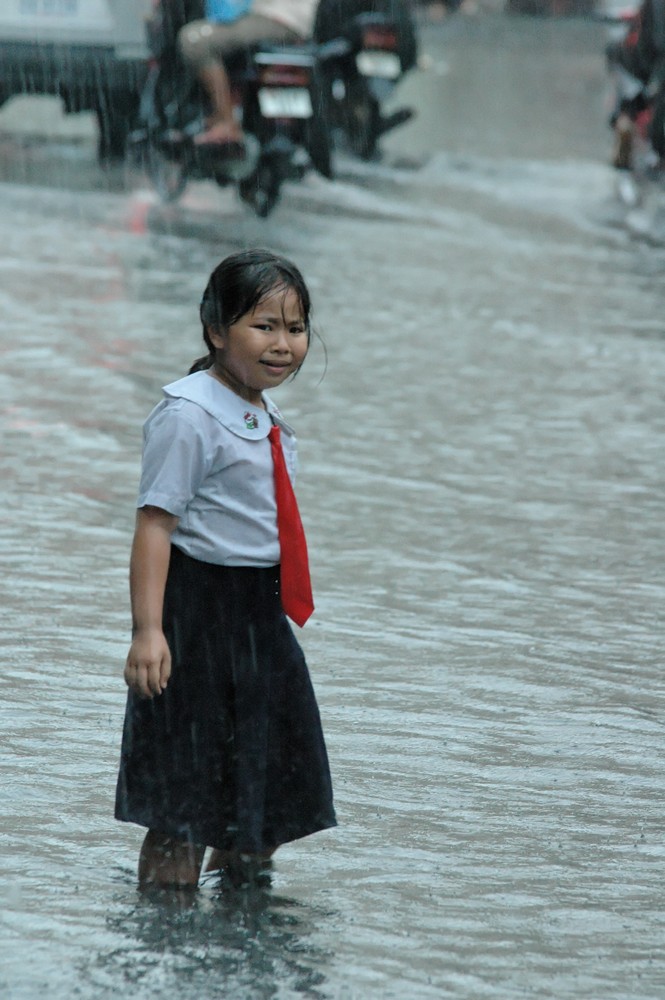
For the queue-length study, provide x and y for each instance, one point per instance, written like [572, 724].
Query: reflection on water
[236, 943]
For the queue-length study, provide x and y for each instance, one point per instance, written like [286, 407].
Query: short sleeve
[175, 456]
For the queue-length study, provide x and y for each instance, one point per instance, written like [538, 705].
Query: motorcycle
[371, 45]
[638, 117]
[277, 99]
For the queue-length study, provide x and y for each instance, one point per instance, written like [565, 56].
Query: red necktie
[295, 583]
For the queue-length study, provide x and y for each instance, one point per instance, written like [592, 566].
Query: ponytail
[202, 364]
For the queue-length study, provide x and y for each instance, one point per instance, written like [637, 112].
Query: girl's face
[262, 348]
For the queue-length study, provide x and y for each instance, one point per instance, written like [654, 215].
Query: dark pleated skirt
[231, 755]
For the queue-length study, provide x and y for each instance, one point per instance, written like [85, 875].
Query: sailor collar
[233, 412]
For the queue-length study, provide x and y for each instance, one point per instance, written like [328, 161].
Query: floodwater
[482, 483]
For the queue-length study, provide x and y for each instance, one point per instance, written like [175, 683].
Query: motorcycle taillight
[279, 75]
[379, 36]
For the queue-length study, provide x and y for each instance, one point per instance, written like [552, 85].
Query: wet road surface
[482, 483]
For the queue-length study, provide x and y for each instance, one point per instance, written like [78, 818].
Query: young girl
[222, 744]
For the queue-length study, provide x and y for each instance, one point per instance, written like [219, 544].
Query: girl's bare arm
[148, 665]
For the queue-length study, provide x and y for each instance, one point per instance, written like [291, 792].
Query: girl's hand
[148, 665]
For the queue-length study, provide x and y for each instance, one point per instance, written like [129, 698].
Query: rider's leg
[204, 45]
[221, 123]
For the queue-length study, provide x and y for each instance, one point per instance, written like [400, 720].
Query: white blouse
[207, 460]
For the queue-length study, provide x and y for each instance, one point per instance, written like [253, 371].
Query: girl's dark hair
[236, 287]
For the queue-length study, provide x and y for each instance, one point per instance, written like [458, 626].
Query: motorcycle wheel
[318, 144]
[262, 189]
[168, 175]
[317, 131]
[363, 121]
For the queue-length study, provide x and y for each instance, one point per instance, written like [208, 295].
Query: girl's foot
[249, 870]
[167, 863]
[242, 869]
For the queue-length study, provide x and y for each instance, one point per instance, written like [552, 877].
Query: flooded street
[482, 484]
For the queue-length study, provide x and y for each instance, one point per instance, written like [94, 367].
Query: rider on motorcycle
[641, 54]
[204, 44]
[332, 16]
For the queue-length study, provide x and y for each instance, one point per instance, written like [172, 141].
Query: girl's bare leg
[221, 859]
[242, 870]
[168, 863]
